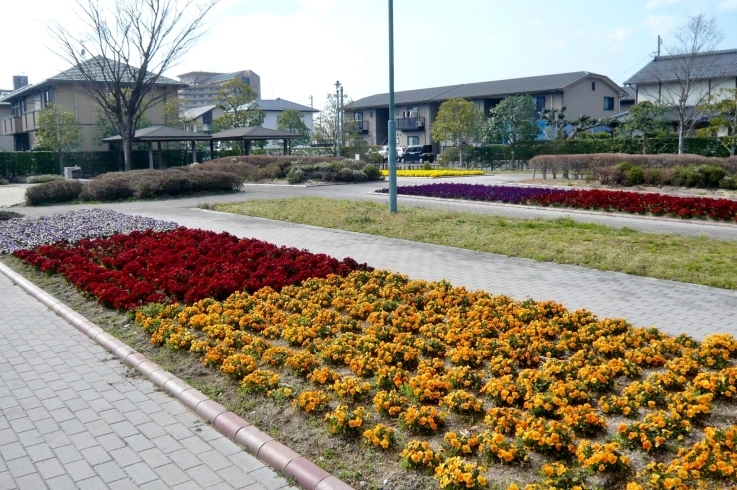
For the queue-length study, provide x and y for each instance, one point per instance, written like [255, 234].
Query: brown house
[65, 90]
[415, 110]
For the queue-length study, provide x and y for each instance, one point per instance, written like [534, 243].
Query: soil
[350, 460]
[670, 190]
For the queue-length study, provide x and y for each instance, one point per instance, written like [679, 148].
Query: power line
[630, 68]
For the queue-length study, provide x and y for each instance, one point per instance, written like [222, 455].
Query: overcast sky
[301, 47]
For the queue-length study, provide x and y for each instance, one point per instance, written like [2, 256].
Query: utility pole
[311, 102]
[392, 151]
[660, 41]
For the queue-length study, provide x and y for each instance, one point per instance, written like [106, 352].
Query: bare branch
[130, 46]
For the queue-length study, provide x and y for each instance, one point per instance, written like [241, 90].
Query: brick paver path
[74, 417]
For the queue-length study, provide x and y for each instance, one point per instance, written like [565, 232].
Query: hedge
[16, 163]
[495, 155]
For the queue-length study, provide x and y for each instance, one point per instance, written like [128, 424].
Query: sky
[300, 48]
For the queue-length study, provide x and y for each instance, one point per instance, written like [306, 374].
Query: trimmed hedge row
[495, 155]
[295, 169]
[138, 184]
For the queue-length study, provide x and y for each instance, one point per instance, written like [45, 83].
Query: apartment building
[415, 110]
[67, 90]
[203, 86]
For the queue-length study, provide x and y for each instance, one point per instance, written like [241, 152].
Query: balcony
[358, 126]
[30, 121]
[411, 124]
[12, 125]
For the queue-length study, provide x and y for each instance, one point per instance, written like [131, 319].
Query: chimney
[19, 81]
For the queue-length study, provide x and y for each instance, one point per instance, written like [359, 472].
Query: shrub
[372, 173]
[374, 158]
[729, 182]
[296, 175]
[54, 191]
[41, 179]
[635, 176]
[6, 215]
[106, 190]
[700, 176]
[4, 181]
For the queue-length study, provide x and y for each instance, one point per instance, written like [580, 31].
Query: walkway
[74, 417]
[365, 190]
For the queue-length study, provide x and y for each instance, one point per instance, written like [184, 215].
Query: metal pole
[341, 117]
[337, 118]
[392, 151]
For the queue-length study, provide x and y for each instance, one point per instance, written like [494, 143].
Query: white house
[274, 107]
[662, 79]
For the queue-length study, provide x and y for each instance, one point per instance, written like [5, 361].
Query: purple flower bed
[477, 192]
[28, 233]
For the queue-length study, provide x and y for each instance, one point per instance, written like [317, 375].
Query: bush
[106, 190]
[296, 176]
[41, 179]
[707, 176]
[374, 158]
[635, 175]
[140, 184]
[4, 181]
[729, 182]
[372, 173]
[53, 192]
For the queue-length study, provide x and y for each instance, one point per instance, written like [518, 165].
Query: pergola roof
[161, 133]
[254, 133]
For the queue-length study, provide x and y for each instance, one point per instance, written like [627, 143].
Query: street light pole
[337, 118]
[392, 151]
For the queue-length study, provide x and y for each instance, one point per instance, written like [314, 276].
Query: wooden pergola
[254, 133]
[157, 134]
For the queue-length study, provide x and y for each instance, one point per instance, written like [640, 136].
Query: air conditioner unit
[412, 114]
[420, 123]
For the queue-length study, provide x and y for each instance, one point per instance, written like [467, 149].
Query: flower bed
[443, 172]
[128, 270]
[459, 383]
[604, 200]
[72, 226]
[527, 369]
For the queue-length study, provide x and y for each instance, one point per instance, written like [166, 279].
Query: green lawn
[696, 260]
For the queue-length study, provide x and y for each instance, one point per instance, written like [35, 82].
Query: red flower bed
[128, 270]
[636, 202]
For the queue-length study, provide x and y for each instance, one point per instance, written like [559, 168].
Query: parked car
[418, 153]
[385, 152]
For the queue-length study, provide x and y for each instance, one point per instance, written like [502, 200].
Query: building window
[539, 104]
[371, 113]
[608, 103]
[593, 85]
[48, 97]
[413, 140]
[358, 116]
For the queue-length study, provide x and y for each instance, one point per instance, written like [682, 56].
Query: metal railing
[411, 123]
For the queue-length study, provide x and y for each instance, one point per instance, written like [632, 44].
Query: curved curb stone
[264, 447]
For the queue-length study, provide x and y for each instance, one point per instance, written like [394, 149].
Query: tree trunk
[460, 152]
[644, 144]
[127, 154]
[61, 162]
[681, 136]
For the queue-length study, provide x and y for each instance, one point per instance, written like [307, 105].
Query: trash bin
[71, 173]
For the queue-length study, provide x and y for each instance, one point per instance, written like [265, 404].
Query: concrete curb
[307, 474]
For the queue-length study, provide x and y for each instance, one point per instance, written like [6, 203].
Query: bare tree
[680, 85]
[129, 46]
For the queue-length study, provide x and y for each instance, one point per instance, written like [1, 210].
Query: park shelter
[159, 134]
[253, 133]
